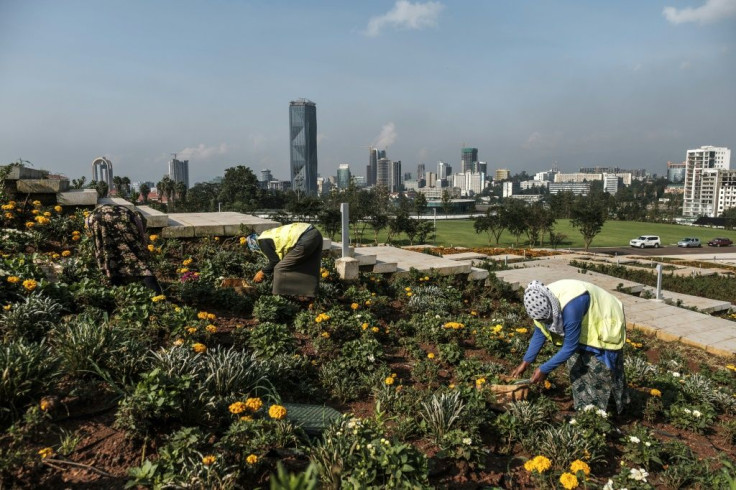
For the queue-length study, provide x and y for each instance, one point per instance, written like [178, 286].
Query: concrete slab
[42, 186]
[406, 260]
[154, 217]
[385, 267]
[478, 274]
[185, 225]
[469, 256]
[77, 197]
[17, 173]
[364, 260]
[116, 201]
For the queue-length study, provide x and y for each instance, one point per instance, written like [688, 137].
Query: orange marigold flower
[208, 460]
[211, 328]
[389, 381]
[13, 279]
[254, 404]
[46, 452]
[277, 412]
[30, 284]
[430, 355]
[579, 465]
[655, 392]
[199, 348]
[569, 481]
[66, 253]
[354, 306]
[237, 407]
[251, 459]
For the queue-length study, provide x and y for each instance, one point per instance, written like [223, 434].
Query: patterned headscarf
[252, 241]
[543, 306]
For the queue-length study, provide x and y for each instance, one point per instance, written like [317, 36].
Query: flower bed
[111, 386]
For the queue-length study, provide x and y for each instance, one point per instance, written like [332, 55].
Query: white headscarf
[543, 306]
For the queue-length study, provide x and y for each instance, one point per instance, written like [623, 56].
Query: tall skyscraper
[469, 158]
[420, 171]
[395, 184]
[179, 171]
[370, 175]
[383, 173]
[303, 145]
[102, 171]
[343, 176]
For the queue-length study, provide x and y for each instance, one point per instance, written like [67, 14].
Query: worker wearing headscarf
[589, 325]
[294, 254]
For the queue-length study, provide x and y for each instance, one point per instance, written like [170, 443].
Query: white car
[689, 242]
[645, 241]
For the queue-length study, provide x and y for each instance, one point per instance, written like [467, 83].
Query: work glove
[259, 277]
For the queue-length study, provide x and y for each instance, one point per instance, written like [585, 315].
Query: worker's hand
[259, 277]
[538, 376]
[519, 371]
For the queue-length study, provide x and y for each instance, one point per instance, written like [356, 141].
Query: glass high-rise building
[303, 145]
[179, 171]
[469, 157]
[343, 176]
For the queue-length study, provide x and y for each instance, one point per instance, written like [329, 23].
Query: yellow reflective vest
[603, 326]
[285, 237]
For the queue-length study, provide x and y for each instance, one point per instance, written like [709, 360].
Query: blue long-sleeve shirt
[572, 320]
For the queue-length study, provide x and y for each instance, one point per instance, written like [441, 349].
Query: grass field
[460, 233]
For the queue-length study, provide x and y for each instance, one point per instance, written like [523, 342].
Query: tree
[538, 220]
[145, 191]
[331, 221]
[491, 223]
[117, 183]
[513, 217]
[180, 189]
[202, 197]
[125, 181]
[79, 183]
[446, 202]
[240, 189]
[730, 216]
[420, 204]
[425, 230]
[588, 215]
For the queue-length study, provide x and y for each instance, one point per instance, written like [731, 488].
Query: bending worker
[590, 325]
[120, 243]
[294, 254]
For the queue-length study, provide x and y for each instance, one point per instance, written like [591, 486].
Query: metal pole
[345, 229]
[659, 281]
[435, 225]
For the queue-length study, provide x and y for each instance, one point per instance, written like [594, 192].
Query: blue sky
[628, 83]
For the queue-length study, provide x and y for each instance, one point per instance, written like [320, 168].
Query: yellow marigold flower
[410, 294]
[731, 367]
[158, 298]
[7, 307]
[407, 289]
[151, 248]
[480, 382]
[66, 253]
[452, 386]
[389, 381]
[183, 270]
[177, 309]
[521, 330]
[326, 335]
[430, 355]
[354, 306]
[13, 279]
[47, 214]
[277, 412]
[579, 465]
[37, 203]
[44, 405]
[211, 328]
[46, 452]
[325, 275]
[655, 392]
[9, 216]
[202, 315]
[254, 404]
[246, 418]
[30, 284]
[153, 238]
[35, 212]
[187, 262]
[199, 348]
[191, 330]
[57, 208]
[211, 316]
[540, 464]
[179, 342]
[237, 407]
[368, 302]
[30, 224]
[426, 278]
[375, 329]
[497, 328]
[474, 313]
[243, 240]
[217, 238]
[251, 459]
[364, 326]
[569, 481]
[208, 460]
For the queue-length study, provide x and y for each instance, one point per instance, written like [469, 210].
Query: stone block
[116, 201]
[154, 217]
[42, 186]
[385, 267]
[17, 173]
[347, 268]
[77, 197]
[365, 259]
[477, 274]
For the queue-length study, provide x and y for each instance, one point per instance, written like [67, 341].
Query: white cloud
[406, 15]
[542, 141]
[711, 11]
[386, 137]
[201, 152]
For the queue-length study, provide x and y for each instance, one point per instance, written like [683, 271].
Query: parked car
[646, 241]
[689, 242]
[720, 242]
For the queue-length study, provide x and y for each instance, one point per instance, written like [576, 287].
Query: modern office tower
[381, 153]
[303, 145]
[482, 168]
[577, 188]
[469, 157]
[502, 174]
[179, 171]
[266, 175]
[420, 171]
[676, 172]
[443, 170]
[102, 171]
[431, 179]
[407, 176]
[343, 176]
[370, 174]
[383, 173]
[698, 200]
[396, 183]
[359, 181]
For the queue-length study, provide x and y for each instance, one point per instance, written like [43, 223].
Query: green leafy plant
[27, 370]
[441, 412]
[275, 309]
[31, 318]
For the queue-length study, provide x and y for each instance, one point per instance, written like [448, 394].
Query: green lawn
[460, 233]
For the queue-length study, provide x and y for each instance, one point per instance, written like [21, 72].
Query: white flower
[634, 439]
[647, 444]
[675, 374]
[573, 422]
[602, 413]
[371, 358]
[687, 411]
[608, 485]
[639, 474]
[589, 407]
[467, 441]
[697, 414]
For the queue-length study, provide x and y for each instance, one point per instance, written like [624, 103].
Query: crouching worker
[589, 322]
[294, 254]
[121, 246]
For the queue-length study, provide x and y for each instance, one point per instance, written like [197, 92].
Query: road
[658, 252]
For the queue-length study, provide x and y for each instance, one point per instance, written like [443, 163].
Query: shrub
[275, 309]
[270, 339]
[30, 319]
[27, 369]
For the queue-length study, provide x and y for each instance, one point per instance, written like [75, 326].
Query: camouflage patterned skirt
[594, 384]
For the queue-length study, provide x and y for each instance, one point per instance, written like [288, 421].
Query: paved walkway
[669, 323]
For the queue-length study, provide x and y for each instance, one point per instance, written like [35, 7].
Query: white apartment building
[610, 183]
[702, 184]
[469, 183]
[625, 177]
[529, 184]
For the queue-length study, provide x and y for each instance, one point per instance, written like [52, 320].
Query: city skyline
[627, 84]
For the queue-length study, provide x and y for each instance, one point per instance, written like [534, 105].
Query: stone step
[368, 259]
[77, 197]
[17, 173]
[703, 305]
[154, 217]
[116, 201]
[385, 267]
[190, 225]
[42, 186]
[470, 256]
[478, 274]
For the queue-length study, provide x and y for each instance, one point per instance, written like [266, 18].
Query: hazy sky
[626, 83]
